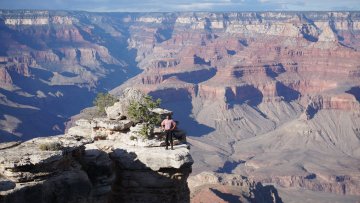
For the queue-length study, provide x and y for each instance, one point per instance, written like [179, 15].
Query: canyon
[273, 96]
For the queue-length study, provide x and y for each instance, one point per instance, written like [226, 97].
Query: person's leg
[171, 140]
[167, 139]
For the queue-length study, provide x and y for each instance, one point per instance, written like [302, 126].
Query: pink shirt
[168, 123]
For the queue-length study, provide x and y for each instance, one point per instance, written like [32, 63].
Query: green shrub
[145, 131]
[104, 100]
[139, 112]
[52, 146]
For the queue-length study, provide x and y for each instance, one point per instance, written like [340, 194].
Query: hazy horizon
[183, 6]
[190, 11]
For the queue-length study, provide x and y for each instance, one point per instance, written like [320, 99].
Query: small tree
[104, 100]
[139, 111]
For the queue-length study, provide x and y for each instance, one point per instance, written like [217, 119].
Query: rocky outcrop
[32, 173]
[5, 78]
[345, 101]
[90, 174]
[155, 176]
[98, 160]
[119, 109]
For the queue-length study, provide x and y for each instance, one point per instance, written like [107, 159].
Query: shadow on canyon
[57, 103]
[356, 92]
[229, 166]
[179, 101]
[194, 77]
[243, 94]
[268, 193]
[262, 194]
[226, 196]
[287, 93]
[45, 114]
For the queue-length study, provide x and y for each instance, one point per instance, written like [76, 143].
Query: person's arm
[174, 125]
[163, 124]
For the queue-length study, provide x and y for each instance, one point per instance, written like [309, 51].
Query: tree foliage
[104, 100]
[139, 111]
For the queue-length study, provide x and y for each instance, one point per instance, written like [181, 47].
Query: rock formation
[99, 160]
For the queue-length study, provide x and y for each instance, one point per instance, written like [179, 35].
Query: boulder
[115, 112]
[162, 112]
[115, 125]
[31, 160]
[119, 109]
[83, 123]
[155, 158]
[135, 130]
[80, 131]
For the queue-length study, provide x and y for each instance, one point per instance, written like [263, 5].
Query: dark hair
[169, 115]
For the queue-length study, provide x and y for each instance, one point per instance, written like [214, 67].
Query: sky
[183, 5]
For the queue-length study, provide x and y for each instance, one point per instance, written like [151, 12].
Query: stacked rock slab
[98, 160]
[29, 173]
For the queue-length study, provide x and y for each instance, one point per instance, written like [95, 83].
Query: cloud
[183, 5]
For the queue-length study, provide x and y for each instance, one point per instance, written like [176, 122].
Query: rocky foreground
[99, 160]
[83, 170]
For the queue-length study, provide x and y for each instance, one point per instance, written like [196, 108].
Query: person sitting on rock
[168, 125]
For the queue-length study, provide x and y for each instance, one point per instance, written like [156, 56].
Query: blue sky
[182, 5]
